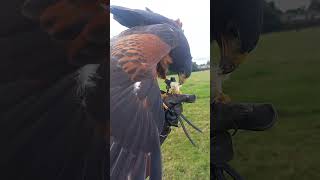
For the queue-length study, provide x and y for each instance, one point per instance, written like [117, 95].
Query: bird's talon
[222, 98]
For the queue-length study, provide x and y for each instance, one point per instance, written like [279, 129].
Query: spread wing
[136, 17]
[137, 116]
[56, 132]
[53, 113]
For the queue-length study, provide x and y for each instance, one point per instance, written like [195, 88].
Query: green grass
[283, 70]
[182, 160]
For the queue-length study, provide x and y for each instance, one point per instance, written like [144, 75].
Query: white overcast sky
[194, 16]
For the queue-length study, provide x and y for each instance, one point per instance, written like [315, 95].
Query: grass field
[283, 70]
[182, 160]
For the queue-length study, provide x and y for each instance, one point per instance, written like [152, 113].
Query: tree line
[275, 19]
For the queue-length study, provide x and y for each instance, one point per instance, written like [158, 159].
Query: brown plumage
[53, 112]
[78, 25]
[138, 57]
[142, 55]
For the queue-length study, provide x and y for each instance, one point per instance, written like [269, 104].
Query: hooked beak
[182, 78]
[231, 54]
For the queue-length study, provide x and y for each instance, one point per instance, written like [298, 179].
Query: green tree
[271, 17]
[195, 66]
[315, 5]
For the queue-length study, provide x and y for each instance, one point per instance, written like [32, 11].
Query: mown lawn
[182, 160]
[283, 70]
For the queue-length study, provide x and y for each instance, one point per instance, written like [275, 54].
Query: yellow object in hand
[175, 88]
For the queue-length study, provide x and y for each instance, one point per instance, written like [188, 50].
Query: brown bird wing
[136, 111]
[80, 26]
[52, 114]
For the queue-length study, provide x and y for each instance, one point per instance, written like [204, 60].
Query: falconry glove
[172, 104]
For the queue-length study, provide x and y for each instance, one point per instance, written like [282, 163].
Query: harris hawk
[152, 45]
[53, 79]
[236, 27]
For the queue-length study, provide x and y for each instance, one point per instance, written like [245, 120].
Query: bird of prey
[236, 27]
[152, 45]
[53, 76]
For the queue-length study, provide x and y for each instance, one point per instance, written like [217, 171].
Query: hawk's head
[179, 58]
[236, 27]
